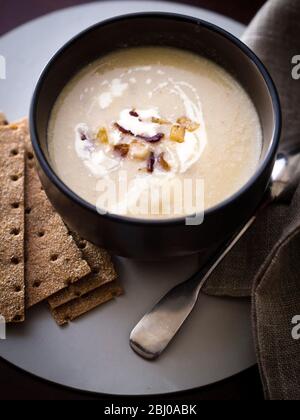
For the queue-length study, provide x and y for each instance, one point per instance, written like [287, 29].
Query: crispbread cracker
[12, 287]
[53, 260]
[103, 272]
[81, 306]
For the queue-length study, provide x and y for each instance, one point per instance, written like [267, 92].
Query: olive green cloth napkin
[266, 263]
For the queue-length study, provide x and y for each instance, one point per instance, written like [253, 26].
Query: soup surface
[154, 132]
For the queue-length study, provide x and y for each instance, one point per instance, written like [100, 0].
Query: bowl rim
[62, 187]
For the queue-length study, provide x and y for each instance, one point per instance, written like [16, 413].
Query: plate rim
[90, 3]
[127, 396]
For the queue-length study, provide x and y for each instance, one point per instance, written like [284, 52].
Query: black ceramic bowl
[157, 239]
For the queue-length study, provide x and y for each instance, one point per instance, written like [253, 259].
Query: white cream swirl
[101, 161]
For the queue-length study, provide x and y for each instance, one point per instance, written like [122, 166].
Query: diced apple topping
[139, 150]
[163, 163]
[141, 146]
[188, 124]
[160, 121]
[102, 136]
[177, 133]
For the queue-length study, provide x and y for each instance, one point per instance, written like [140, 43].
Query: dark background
[17, 385]
[16, 12]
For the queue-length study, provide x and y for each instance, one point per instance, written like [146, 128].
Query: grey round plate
[93, 353]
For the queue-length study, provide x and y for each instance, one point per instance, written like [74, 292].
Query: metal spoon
[157, 328]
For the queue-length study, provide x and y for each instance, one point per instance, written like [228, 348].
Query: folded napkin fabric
[265, 264]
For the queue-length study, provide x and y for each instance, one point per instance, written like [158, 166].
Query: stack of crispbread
[40, 260]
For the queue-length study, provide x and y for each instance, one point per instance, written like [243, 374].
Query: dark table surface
[15, 384]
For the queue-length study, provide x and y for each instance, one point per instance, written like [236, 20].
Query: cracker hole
[15, 205]
[28, 210]
[82, 245]
[15, 231]
[54, 257]
[30, 156]
[41, 234]
[15, 260]
[14, 178]
[37, 284]
[14, 152]
[18, 289]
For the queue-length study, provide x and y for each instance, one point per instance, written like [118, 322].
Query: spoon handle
[157, 328]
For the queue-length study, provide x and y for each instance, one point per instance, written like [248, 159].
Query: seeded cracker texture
[53, 261]
[12, 287]
[103, 272]
[74, 309]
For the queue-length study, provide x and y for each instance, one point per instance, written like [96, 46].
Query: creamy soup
[154, 132]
